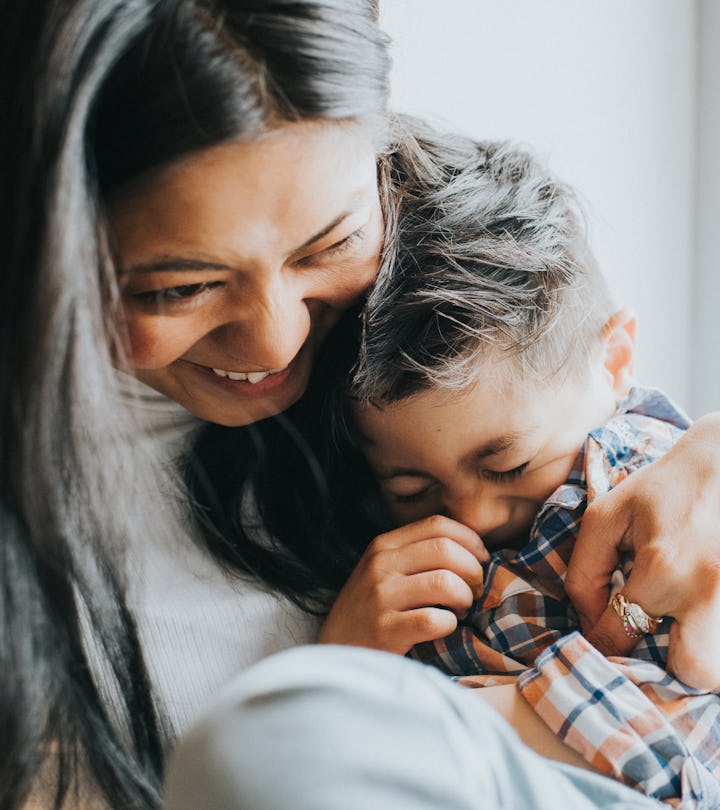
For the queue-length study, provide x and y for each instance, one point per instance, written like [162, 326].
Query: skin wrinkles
[228, 262]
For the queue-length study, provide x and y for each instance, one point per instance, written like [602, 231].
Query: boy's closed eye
[407, 488]
[505, 476]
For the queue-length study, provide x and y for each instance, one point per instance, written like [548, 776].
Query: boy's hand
[667, 516]
[411, 585]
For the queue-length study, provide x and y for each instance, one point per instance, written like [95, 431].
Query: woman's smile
[253, 377]
[243, 383]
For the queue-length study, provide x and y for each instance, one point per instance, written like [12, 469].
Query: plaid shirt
[626, 716]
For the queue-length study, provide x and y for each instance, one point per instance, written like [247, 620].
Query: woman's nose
[266, 326]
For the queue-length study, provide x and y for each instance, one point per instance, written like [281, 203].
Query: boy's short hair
[487, 257]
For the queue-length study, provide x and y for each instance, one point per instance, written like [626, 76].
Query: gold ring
[636, 622]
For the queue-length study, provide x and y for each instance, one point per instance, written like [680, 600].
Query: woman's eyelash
[174, 295]
[345, 243]
[338, 248]
[181, 293]
[506, 476]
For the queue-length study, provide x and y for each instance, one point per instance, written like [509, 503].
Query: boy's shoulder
[645, 426]
[653, 403]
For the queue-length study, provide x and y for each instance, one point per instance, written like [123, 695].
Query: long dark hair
[290, 498]
[98, 93]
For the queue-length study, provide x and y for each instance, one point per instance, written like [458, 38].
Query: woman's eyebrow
[179, 263]
[174, 263]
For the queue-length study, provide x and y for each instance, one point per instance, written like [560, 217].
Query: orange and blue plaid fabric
[626, 716]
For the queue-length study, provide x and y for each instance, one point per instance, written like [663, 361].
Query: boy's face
[488, 458]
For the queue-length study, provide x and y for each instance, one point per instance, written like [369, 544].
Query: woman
[191, 201]
[106, 660]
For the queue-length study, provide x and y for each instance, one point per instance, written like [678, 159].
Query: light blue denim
[341, 728]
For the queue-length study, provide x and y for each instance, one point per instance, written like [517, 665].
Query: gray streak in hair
[487, 257]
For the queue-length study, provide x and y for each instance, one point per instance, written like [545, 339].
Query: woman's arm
[667, 516]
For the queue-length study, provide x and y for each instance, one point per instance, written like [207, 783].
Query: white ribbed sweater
[199, 627]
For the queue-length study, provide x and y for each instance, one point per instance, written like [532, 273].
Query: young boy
[495, 386]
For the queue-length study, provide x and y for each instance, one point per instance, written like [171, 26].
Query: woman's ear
[619, 350]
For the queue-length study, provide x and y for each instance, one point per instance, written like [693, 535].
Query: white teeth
[256, 376]
[251, 376]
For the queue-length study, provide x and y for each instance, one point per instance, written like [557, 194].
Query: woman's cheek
[157, 342]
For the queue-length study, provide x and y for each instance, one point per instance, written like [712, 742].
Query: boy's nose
[480, 511]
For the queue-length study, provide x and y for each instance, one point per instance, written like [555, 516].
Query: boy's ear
[619, 350]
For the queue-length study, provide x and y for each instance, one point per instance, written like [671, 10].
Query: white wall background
[609, 92]
[705, 381]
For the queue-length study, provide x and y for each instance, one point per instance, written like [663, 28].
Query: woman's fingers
[691, 658]
[666, 516]
[693, 655]
[604, 530]
[608, 635]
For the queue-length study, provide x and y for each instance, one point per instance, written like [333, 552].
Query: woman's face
[236, 262]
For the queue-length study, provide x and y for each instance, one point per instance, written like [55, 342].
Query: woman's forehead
[283, 190]
[287, 151]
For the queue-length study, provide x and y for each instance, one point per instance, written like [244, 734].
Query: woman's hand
[411, 585]
[667, 516]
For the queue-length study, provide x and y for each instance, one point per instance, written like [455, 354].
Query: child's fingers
[433, 554]
[436, 526]
[434, 589]
[371, 609]
[423, 624]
